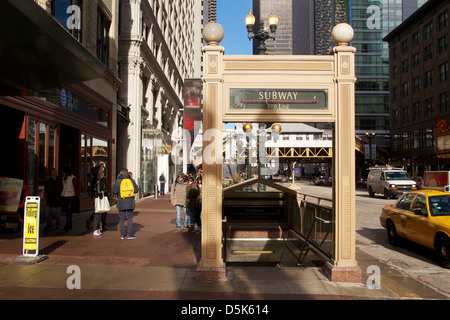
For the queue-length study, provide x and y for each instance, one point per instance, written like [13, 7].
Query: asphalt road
[409, 258]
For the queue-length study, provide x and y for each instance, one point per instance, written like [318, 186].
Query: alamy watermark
[246, 148]
[374, 21]
[74, 280]
[74, 20]
[374, 280]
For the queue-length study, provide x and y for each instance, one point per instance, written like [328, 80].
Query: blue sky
[231, 15]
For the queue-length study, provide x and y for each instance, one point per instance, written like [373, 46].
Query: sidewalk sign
[31, 227]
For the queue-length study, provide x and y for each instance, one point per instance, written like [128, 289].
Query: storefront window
[41, 155]
[149, 158]
[76, 104]
[94, 152]
[42, 159]
[31, 148]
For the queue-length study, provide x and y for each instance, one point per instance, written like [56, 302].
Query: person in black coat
[125, 205]
[98, 190]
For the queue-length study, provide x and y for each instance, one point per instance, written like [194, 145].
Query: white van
[389, 181]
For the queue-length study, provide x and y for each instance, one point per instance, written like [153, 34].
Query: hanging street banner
[31, 226]
[192, 111]
[278, 99]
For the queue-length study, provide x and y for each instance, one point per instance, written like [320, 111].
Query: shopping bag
[102, 205]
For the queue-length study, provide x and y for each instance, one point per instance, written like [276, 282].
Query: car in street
[419, 182]
[422, 217]
[323, 181]
[389, 181]
[361, 183]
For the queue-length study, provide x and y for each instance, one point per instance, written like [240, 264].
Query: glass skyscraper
[372, 21]
[305, 28]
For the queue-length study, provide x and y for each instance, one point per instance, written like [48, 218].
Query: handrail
[319, 199]
[305, 244]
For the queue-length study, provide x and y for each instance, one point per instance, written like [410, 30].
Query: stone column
[211, 266]
[344, 267]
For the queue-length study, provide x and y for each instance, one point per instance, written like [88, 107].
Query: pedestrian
[125, 202]
[69, 194]
[198, 205]
[52, 193]
[178, 199]
[162, 183]
[98, 190]
[191, 200]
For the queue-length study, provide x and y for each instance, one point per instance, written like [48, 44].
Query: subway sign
[278, 99]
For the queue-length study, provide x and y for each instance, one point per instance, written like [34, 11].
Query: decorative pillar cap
[213, 33]
[342, 34]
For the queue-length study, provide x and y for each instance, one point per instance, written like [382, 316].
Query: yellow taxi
[423, 217]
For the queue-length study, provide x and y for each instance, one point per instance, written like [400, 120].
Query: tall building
[304, 26]
[419, 85]
[372, 21]
[327, 14]
[157, 41]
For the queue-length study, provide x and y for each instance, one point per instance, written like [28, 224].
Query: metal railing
[315, 223]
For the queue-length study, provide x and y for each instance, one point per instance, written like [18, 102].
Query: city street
[409, 258]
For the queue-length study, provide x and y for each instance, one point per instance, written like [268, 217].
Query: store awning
[37, 53]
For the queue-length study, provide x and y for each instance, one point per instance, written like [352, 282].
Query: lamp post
[247, 127]
[261, 35]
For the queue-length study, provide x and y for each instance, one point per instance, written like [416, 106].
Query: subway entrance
[276, 89]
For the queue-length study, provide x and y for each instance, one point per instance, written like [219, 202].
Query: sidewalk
[160, 265]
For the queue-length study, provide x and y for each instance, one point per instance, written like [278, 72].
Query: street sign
[31, 226]
[279, 99]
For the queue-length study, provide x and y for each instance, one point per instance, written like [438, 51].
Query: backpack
[126, 189]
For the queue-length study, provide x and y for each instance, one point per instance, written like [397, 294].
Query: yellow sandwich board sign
[31, 226]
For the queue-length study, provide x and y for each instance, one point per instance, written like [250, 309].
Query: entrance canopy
[37, 53]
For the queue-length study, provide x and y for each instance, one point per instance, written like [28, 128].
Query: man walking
[162, 183]
[178, 199]
[125, 188]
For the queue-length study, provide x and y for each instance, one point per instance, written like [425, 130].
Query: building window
[443, 102]
[443, 44]
[417, 110]
[68, 13]
[429, 140]
[94, 152]
[443, 20]
[416, 39]
[429, 52]
[395, 120]
[405, 47]
[41, 150]
[428, 30]
[405, 114]
[429, 109]
[443, 71]
[405, 66]
[103, 25]
[428, 79]
[416, 85]
[416, 60]
[405, 89]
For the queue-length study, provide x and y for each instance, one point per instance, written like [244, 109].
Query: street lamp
[247, 127]
[261, 35]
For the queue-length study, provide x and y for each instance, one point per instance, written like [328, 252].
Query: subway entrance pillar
[211, 266]
[243, 89]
